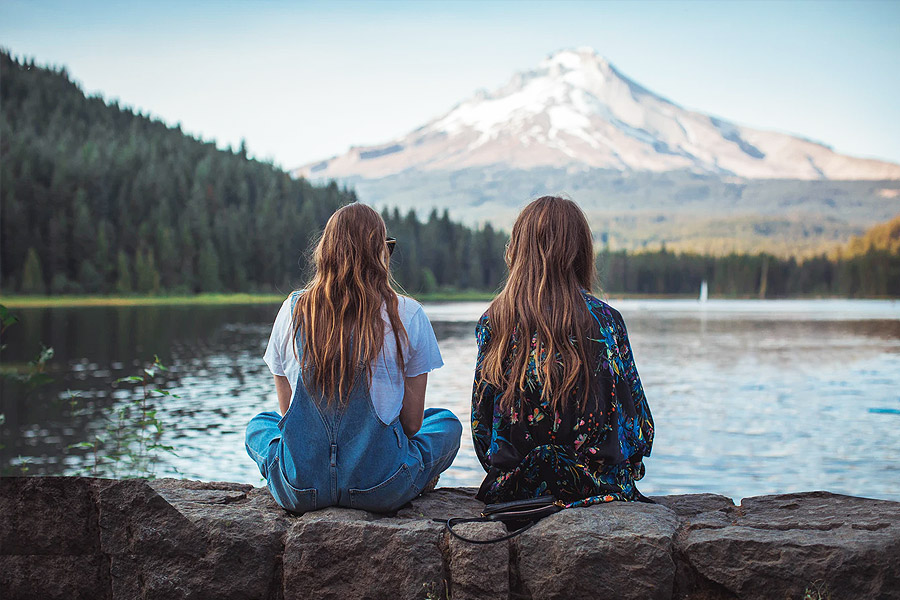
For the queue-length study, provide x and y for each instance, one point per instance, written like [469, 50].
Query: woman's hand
[283, 389]
[413, 404]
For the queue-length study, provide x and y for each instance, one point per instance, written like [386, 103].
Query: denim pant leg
[262, 435]
[438, 440]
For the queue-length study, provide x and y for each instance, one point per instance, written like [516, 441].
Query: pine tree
[429, 282]
[32, 275]
[102, 256]
[146, 275]
[89, 277]
[168, 255]
[123, 279]
[208, 269]
[84, 233]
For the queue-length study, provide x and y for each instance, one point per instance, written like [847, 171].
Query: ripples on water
[748, 397]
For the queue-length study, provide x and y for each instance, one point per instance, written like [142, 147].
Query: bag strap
[538, 512]
[450, 523]
[642, 498]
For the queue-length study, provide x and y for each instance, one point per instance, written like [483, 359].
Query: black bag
[518, 516]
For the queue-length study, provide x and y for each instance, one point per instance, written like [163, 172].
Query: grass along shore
[20, 301]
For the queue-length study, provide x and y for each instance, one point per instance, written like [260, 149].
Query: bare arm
[413, 404]
[283, 389]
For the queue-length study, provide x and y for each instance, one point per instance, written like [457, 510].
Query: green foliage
[131, 441]
[429, 281]
[31, 376]
[6, 319]
[436, 591]
[816, 591]
[27, 379]
[884, 237]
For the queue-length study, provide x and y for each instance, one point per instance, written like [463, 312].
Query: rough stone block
[339, 553]
[52, 577]
[691, 505]
[616, 550]
[48, 515]
[780, 546]
[135, 520]
[227, 543]
[479, 571]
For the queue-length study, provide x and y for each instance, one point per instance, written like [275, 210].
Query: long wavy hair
[551, 260]
[339, 314]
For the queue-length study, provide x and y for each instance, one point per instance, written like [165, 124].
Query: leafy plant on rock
[131, 442]
[27, 378]
[33, 375]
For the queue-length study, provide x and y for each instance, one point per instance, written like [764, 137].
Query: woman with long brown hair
[558, 407]
[351, 360]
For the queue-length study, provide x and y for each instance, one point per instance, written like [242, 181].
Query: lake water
[749, 397]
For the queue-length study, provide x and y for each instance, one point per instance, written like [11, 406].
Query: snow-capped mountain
[575, 110]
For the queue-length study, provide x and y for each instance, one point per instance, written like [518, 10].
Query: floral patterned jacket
[580, 457]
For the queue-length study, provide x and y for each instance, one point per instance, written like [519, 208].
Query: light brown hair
[551, 260]
[338, 316]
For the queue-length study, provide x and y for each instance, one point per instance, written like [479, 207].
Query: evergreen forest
[868, 266]
[96, 199]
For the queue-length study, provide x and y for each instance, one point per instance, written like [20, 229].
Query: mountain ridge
[576, 110]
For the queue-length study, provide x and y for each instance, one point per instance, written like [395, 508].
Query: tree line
[868, 266]
[440, 254]
[98, 199]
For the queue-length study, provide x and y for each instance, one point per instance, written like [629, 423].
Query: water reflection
[749, 398]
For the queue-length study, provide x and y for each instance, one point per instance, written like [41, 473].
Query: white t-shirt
[421, 355]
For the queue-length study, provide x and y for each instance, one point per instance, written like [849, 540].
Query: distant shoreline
[247, 299]
[94, 300]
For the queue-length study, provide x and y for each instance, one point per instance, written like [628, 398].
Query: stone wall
[102, 539]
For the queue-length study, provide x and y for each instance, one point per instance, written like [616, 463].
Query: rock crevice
[95, 538]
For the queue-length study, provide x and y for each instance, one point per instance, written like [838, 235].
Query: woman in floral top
[557, 405]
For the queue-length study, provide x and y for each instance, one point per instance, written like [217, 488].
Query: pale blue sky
[302, 81]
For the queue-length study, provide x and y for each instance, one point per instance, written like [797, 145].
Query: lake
[749, 397]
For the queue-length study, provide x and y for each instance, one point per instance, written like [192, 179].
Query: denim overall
[318, 456]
